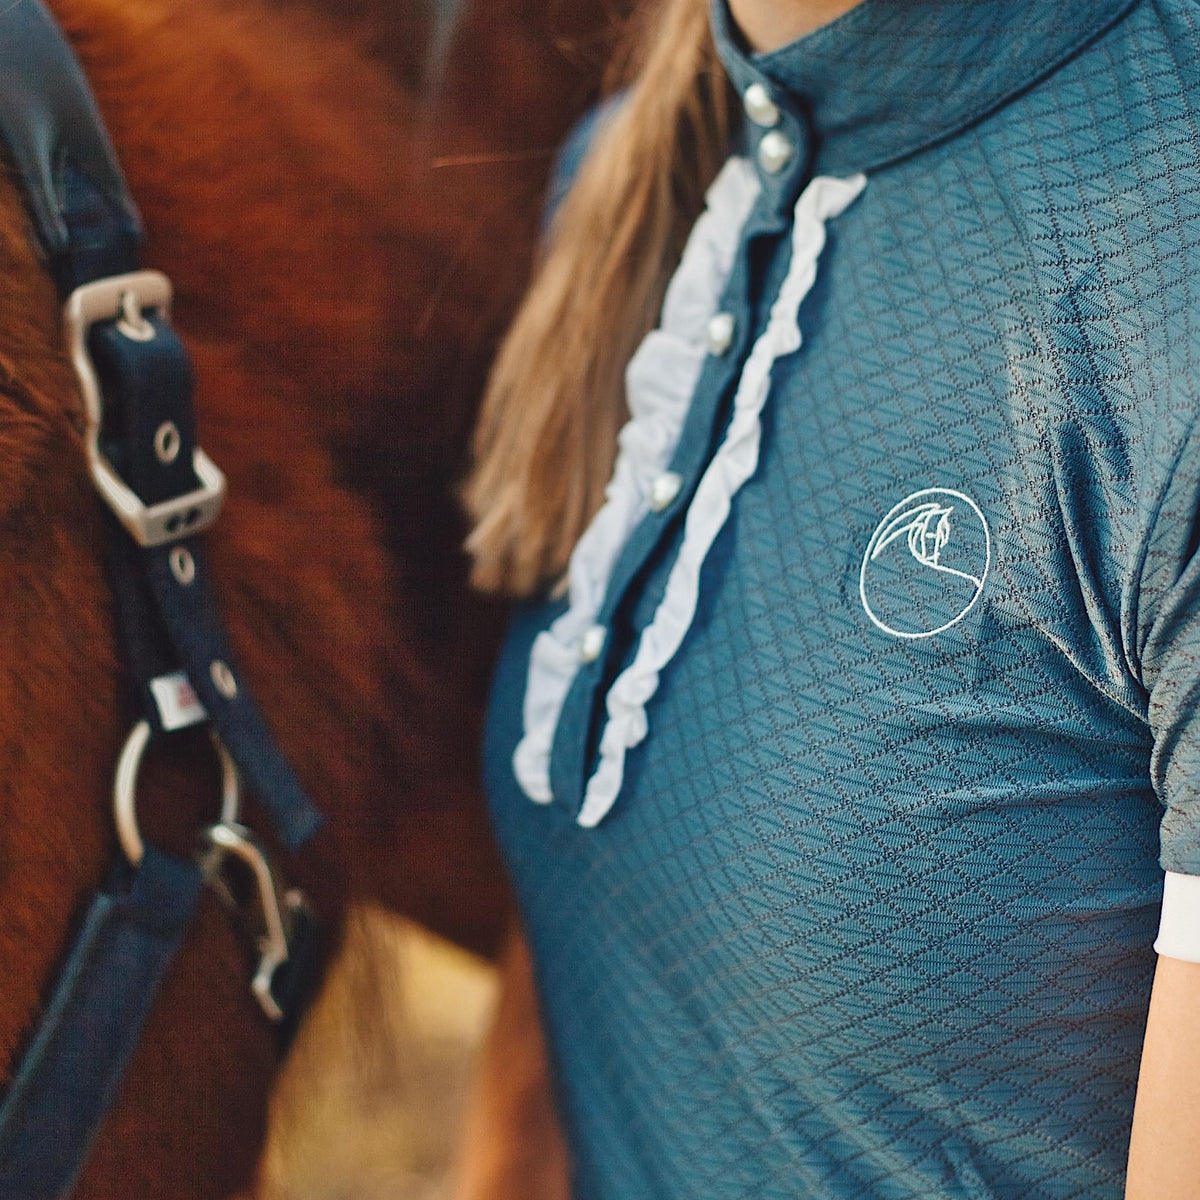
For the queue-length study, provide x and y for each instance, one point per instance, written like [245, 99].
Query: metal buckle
[277, 906]
[153, 524]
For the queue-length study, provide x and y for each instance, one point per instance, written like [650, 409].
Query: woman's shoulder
[574, 149]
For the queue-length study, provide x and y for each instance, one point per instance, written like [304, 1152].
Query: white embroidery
[927, 522]
[659, 382]
[734, 462]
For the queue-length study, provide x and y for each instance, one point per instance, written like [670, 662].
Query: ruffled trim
[659, 382]
[734, 462]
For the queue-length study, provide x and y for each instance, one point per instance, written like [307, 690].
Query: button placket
[572, 750]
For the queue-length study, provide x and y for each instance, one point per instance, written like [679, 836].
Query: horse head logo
[936, 532]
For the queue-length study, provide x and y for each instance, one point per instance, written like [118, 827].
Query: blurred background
[369, 1104]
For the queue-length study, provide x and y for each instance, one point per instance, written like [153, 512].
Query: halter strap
[70, 1072]
[85, 220]
[162, 490]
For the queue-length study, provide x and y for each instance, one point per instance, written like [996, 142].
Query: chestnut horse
[346, 231]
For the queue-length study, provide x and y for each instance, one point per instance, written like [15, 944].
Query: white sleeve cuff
[1179, 926]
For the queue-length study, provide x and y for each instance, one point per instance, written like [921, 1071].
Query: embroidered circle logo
[926, 564]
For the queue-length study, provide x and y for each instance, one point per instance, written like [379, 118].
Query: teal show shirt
[870, 915]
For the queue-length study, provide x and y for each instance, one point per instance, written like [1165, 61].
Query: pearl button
[592, 644]
[720, 333]
[664, 489]
[760, 108]
[774, 152]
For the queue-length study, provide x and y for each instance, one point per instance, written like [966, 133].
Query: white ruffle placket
[660, 381]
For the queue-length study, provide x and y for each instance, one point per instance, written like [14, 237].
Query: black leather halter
[161, 492]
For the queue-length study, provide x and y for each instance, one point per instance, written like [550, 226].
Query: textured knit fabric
[871, 916]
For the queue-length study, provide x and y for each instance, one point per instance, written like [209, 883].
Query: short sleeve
[1168, 621]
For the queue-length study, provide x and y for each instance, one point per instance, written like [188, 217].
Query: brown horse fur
[340, 292]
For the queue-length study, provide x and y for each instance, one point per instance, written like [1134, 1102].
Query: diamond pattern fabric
[872, 914]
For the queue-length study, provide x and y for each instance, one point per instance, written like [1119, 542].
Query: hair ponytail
[546, 437]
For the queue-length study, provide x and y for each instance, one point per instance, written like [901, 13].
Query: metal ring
[125, 790]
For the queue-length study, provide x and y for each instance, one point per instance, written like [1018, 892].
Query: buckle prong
[132, 322]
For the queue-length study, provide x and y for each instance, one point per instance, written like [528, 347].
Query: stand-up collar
[891, 77]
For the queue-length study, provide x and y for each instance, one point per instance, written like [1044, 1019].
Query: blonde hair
[546, 437]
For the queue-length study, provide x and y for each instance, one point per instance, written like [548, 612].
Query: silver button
[720, 333]
[760, 108]
[664, 489]
[774, 152]
[592, 645]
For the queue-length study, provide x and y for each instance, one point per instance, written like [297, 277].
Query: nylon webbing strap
[71, 1070]
[82, 212]
[89, 228]
[175, 624]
